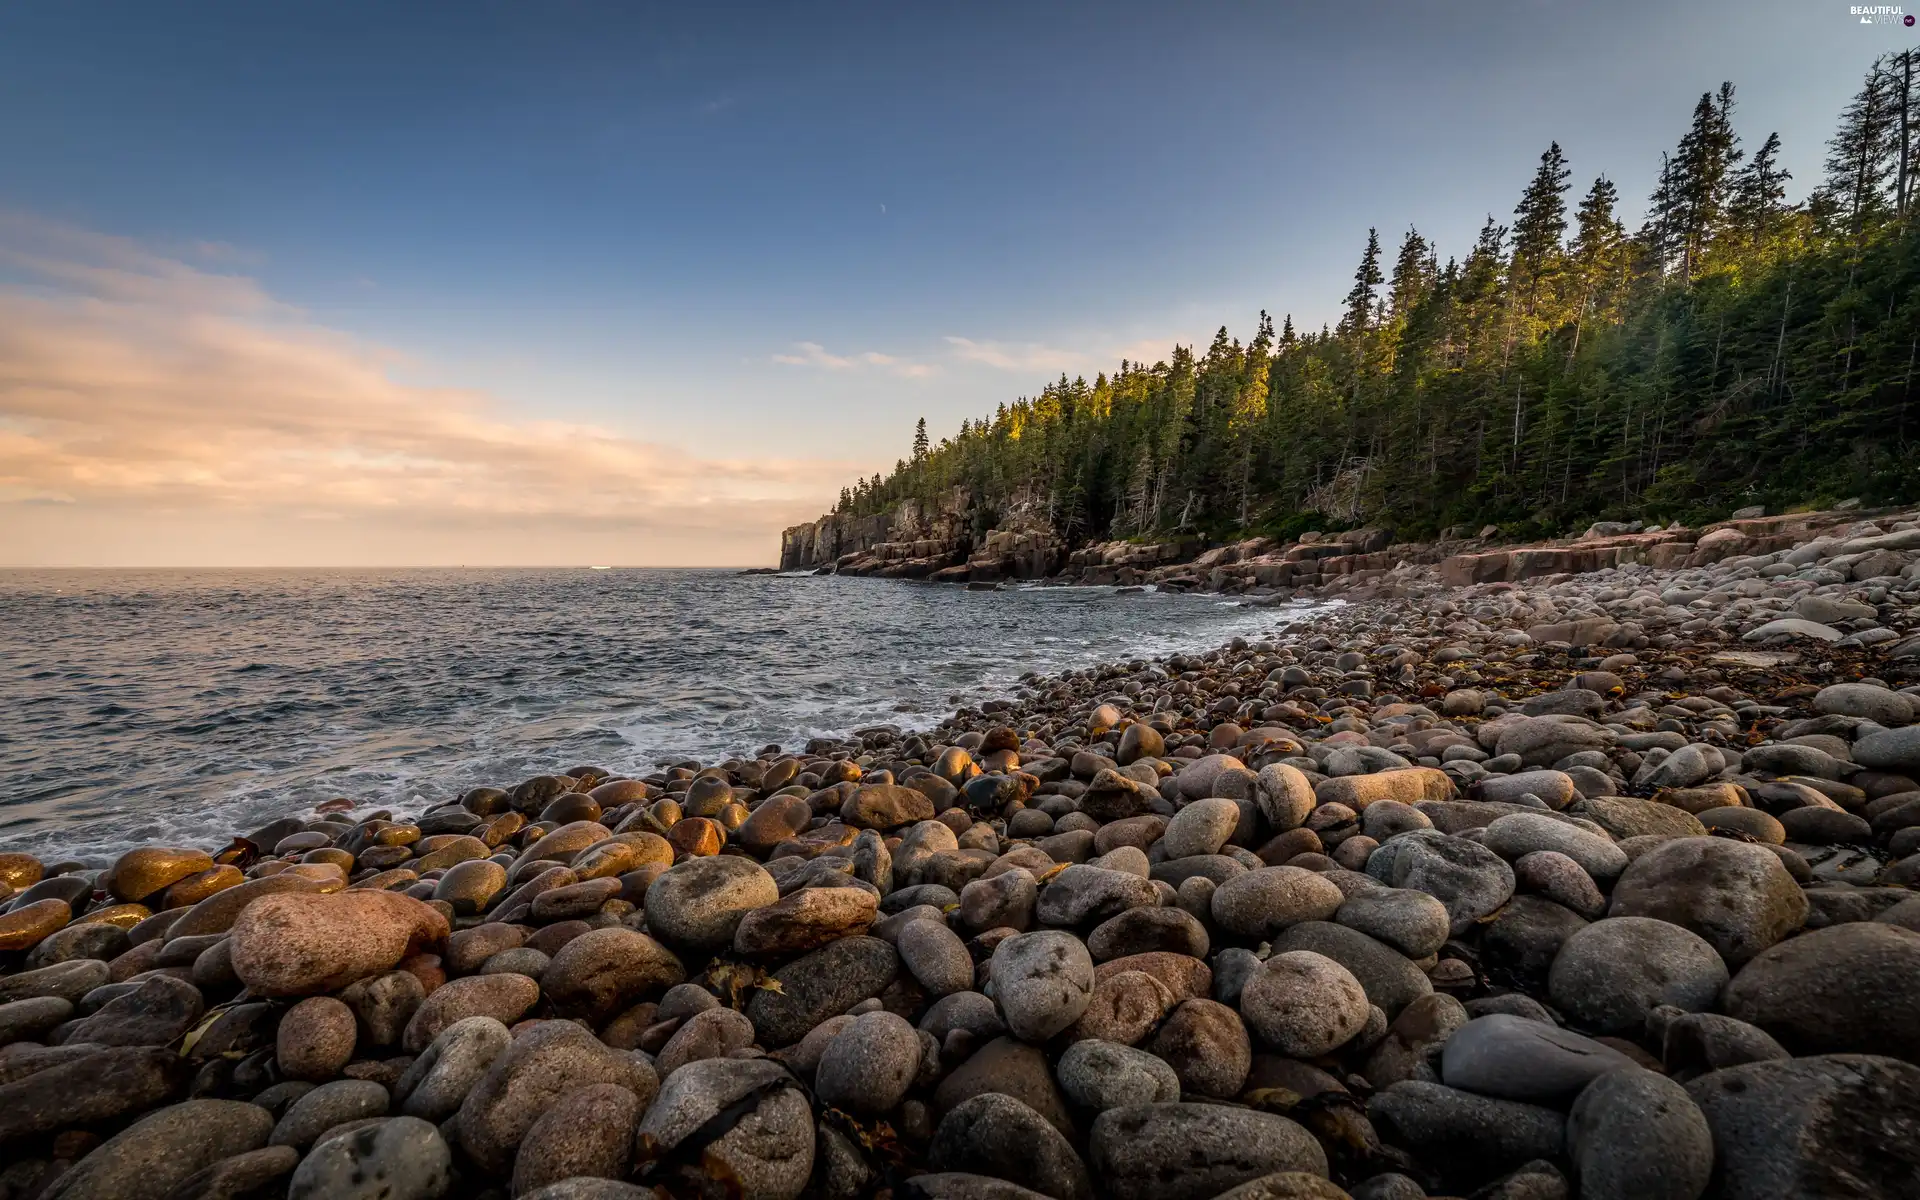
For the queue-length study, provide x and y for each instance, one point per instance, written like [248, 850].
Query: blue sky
[753, 234]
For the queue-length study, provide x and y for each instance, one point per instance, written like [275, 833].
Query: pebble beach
[1596, 884]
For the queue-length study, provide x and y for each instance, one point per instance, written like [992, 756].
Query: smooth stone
[1042, 982]
[1469, 879]
[1814, 1128]
[1262, 903]
[1468, 1138]
[1520, 834]
[714, 1033]
[1100, 1075]
[604, 971]
[161, 1151]
[1286, 1185]
[1523, 939]
[1390, 980]
[383, 1005]
[315, 1039]
[402, 1158]
[537, 1068]
[295, 944]
[1304, 1004]
[1737, 896]
[806, 920]
[1411, 922]
[699, 904]
[1011, 1068]
[67, 980]
[154, 1013]
[769, 1151]
[26, 1020]
[1194, 1151]
[997, 1135]
[239, 1176]
[1202, 827]
[1147, 930]
[85, 1088]
[869, 1065]
[1206, 1044]
[1610, 975]
[328, 1105]
[1636, 1135]
[1851, 988]
[505, 998]
[935, 956]
[1514, 1058]
[441, 1076]
[587, 1133]
[1083, 894]
[821, 984]
[1124, 1008]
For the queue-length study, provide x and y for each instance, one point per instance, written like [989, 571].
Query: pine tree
[1758, 195]
[1596, 249]
[1539, 223]
[1365, 279]
[920, 440]
[1707, 153]
[1859, 155]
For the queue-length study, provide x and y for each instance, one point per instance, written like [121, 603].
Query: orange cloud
[139, 383]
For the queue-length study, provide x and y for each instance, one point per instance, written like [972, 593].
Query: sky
[397, 284]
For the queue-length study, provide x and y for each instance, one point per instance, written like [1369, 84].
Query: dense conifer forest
[1736, 348]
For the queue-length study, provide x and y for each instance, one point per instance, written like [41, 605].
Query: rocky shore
[1590, 881]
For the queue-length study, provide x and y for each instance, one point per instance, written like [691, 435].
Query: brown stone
[805, 920]
[296, 944]
[23, 928]
[191, 890]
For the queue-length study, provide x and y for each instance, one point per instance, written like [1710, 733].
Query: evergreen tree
[1539, 223]
[1365, 279]
[920, 440]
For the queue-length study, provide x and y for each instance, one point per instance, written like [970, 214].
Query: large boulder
[1847, 988]
[1194, 1151]
[298, 944]
[1814, 1128]
[1737, 896]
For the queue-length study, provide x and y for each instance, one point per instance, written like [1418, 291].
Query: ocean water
[185, 706]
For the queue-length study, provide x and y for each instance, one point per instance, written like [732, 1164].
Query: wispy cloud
[1019, 356]
[813, 354]
[139, 382]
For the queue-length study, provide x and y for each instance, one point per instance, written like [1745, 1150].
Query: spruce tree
[1539, 223]
[920, 440]
[1365, 279]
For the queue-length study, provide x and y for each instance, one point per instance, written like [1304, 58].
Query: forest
[1737, 348]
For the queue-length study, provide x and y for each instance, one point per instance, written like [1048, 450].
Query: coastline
[1583, 843]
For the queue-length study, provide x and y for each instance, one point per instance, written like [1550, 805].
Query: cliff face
[910, 530]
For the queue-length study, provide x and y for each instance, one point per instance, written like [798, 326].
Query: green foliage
[1737, 349]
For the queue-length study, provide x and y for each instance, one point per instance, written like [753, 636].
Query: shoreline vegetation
[1737, 348]
[1596, 880]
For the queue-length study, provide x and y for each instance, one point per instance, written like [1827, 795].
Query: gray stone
[80, 1087]
[769, 1151]
[1896, 750]
[962, 1185]
[697, 904]
[161, 1151]
[1814, 1128]
[1882, 706]
[1390, 980]
[1693, 1043]
[153, 1014]
[1737, 896]
[1042, 982]
[25, 1020]
[1635, 1135]
[1231, 970]
[1469, 879]
[440, 1078]
[239, 1176]
[869, 1065]
[1468, 1138]
[1514, 1058]
[1194, 1151]
[1304, 1004]
[1259, 904]
[1610, 975]
[588, 1132]
[1145, 930]
[1082, 894]
[539, 1066]
[821, 984]
[1100, 1075]
[68, 980]
[712, 1033]
[998, 1136]
[1410, 921]
[1848, 988]
[328, 1105]
[1521, 834]
[403, 1158]
[936, 957]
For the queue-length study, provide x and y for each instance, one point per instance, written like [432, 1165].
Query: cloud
[141, 386]
[1018, 356]
[813, 354]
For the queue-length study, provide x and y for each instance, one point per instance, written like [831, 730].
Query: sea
[182, 707]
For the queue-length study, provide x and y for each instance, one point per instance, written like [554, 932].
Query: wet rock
[141, 873]
[1194, 1151]
[294, 944]
[769, 1151]
[805, 920]
[1514, 1058]
[161, 1151]
[1848, 988]
[505, 998]
[588, 1132]
[156, 1012]
[25, 926]
[699, 903]
[403, 1158]
[27, 1020]
[1100, 1075]
[819, 985]
[315, 1039]
[539, 1067]
[1610, 975]
[440, 1078]
[1042, 982]
[1001, 1137]
[1738, 897]
[1303, 1004]
[604, 971]
[1814, 1128]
